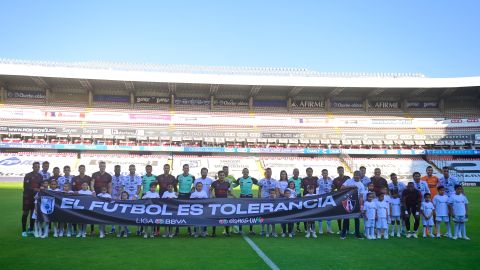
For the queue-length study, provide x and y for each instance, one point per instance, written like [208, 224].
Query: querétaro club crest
[47, 204]
[349, 204]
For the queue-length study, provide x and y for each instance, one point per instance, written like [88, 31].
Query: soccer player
[68, 226]
[101, 179]
[205, 180]
[147, 179]
[229, 178]
[84, 191]
[123, 231]
[378, 181]
[103, 194]
[166, 179]
[81, 178]
[31, 185]
[431, 180]
[221, 189]
[185, 182]
[324, 187]
[337, 184]
[117, 182]
[420, 185]
[355, 182]
[282, 183]
[309, 180]
[298, 186]
[287, 228]
[310, 225]
[66, 178]
[427, 215]
[246, 183]
[395, 213]
[150, 194]
[41, 228]
[364, 178]
[459, 209]
[440, 202]
[394, 185]
[266, 184]
[132, 184]
[383, 212]
[44, 172]
[56, 174]
[370, 214]
[199, 193]
[411, 202]
[448, 181]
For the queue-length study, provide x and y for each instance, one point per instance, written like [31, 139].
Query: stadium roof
[288, 81]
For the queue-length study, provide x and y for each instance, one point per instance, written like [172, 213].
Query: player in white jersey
[150, 194]
[448, 181]
[104, 194]
[205, 180]
[84, 191]
[324, 186]
[132, 183]
[310, 231]
[395, 185]
[441, 211]
[65, 178]
[420, 185]
[292, 191]
[282, 183]
[427, 211]
[117, 187]
[459, 209]
[169, 194]
[44, 172]
[199, 193]
[383, 212]
[395, 213]
[369, 215]
[266, 184]
[67, 188]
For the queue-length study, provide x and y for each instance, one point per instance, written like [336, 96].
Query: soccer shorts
[246, 196]
[369, 223]
[382, 223]
[459, 219]
[28, 203]
[442, 218]
[412, 210]
[428, 222]
[395, 218]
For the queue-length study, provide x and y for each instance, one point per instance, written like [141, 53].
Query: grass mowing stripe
[260, 253]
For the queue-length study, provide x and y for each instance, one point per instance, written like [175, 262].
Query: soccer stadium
[86, 113]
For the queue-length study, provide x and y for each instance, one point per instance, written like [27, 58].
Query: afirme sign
[308, 104]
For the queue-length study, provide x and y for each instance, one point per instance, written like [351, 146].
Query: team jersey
[338, 182]
[45, 175]
[383, 209]
[62, 180]
[458, 203]
[309, 181]
[427, 208]
[164, 180]
[206, 182]
[101, 180]
[421, 186]
[151, 195]
[399, 187]
[31, 181]
[265, 186]
[169, 195]
[78, 180]
[199, 195]
[432, 182]
[352, 183]
[230, 179]
[246, 185]
[365, 180]
[57, 189]
[370, 209]
[131, 184]
[282, 185]
[441, 205]
[117, 183]
[185, 183]
[449, 184]
[378, 184]
[298, 184]
[104, 195]
[221, 188]
[85, 192]
[324, 185]
[293, 193]
[395, 206]
[147, 180]
[411, 197]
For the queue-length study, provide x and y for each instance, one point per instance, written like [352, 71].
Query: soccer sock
[464, 229]
[386, 232]
[438, 228]
[32, 222]
[24, 223]
[449, 229]
[455, 229]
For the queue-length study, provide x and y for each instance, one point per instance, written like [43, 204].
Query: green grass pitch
[325, 252]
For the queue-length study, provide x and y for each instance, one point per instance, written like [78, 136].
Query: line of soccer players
[386, 207]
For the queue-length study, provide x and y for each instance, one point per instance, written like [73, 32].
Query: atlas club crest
[349, 204]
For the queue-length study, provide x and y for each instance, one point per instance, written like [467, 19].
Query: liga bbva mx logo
[47, 204]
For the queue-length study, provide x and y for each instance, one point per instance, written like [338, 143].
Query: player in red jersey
[31, 185]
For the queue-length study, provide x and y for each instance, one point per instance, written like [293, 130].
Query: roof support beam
[336, 92]
[448, 92]
[129, 86]
[255, 89]
[376, 92]
[86, 84]
[295, 91]
[172, 88]
[214, 89]
[40, 82]
[417, 92]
